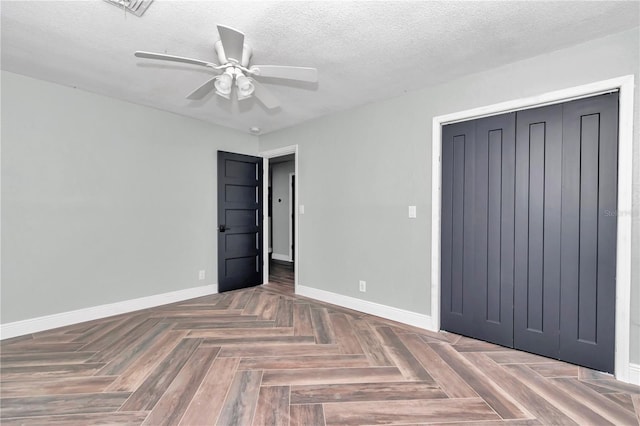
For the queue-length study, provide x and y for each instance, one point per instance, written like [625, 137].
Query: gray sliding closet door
[589, 226]
[529, 228]
[458, 177]
[478, 162]
[537, 236]
[494, 228]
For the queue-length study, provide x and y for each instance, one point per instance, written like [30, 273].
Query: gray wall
[102, 200]
[360, 169]
[281, 219]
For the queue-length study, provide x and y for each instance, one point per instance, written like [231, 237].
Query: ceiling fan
[234, 57]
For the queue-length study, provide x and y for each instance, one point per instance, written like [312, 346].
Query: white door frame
[266, 155]
[625, 86]
[291, 210]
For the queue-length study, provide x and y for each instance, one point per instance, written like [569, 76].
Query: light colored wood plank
[403, 358]
[206, 325]
[176, 312]
[579, 412]
[322, 326]
[556, 369]
[131, 418]
[129, 339]
[316, 394]
[272, 407]
[307, 415]
[597, 402]
[450, 382]
[624, 400]
[371, 344]
[517, 357]
[207, 402]
[62, 404]
[589, 374]
[525, 422]
[175, 400]
[256, 304]
[91, 384]
[151, 390]
[104, 338]
[528, 399]
[615, 385]
[345, 334]
[44, 358]
[331, 375]
[279, 350]
[241, 299]
[233, 333]
[284, 315]
[302, 320]
[495, 396]
[39, 347]
[403, 412]
[291, 362]
[261, 340]
[46, 372]
[119, 361]
[239, 406]
[269, 309]
[204, 318]
[138, 370]
[479, 346]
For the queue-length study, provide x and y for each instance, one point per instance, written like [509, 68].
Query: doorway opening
[280, 220]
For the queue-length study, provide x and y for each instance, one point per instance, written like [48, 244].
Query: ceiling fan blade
[163, 57]
[265, 96]
[203, 90]
[290, 73]
[232, 42]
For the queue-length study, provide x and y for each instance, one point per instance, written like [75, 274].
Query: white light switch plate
[301, 209]
[412, 212]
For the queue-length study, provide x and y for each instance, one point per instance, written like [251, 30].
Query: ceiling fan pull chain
[124, 7]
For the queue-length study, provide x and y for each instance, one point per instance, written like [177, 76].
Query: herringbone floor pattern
[263, 356]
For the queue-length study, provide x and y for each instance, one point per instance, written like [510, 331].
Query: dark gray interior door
[239, 221]
[529, 227]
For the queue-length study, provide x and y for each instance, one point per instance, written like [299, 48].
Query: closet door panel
[589, 226]
[494, 227]
[537, 230]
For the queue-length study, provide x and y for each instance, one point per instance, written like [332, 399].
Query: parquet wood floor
[263, 356]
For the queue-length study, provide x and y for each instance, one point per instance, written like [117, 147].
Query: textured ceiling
[364, 51]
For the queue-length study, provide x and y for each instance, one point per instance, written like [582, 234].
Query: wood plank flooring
[263, 356]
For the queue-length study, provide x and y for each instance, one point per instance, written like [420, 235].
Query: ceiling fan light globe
[223, 84]
[245, 86]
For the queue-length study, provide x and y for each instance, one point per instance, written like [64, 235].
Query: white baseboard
[634, 374]
[282, 257]
[48, 322]
[372, 308]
